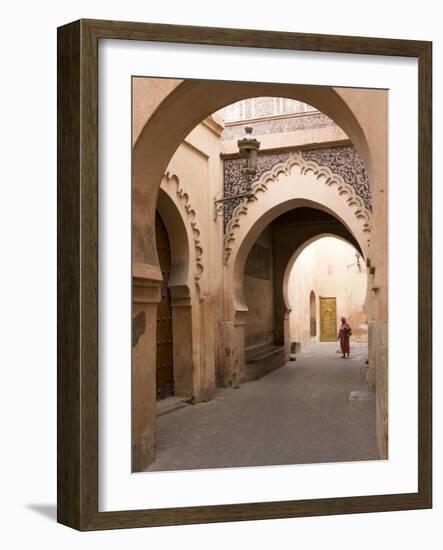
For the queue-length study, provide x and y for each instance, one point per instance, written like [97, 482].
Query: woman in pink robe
[343, 335]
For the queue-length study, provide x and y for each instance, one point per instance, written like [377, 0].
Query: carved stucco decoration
[346, 162]
[323, 173]
[234, 181]
[192, 219]
[342, 160]
[279, 125]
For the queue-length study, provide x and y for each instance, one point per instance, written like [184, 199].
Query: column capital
[146, 284]
[180, 296]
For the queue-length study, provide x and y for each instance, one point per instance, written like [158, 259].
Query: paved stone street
[300, 413]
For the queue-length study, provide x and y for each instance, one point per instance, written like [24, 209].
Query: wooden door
[328, 320]
[165, 370]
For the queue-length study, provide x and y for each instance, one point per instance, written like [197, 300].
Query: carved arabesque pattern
[342, 160]
[346, 162]
[234, 181]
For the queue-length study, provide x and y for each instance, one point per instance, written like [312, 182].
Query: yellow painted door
[328, 320]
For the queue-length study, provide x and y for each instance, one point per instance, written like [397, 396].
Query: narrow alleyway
[300, 413]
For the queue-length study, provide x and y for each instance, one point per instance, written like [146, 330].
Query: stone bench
[265, 361]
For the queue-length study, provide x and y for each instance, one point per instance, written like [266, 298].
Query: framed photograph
[244, 275]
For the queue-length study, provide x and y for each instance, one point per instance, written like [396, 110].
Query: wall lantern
[357, 262]
[248, 148]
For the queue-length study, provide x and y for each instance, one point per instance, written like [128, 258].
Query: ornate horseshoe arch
[322, 174]
[295, 256]
[286, 186]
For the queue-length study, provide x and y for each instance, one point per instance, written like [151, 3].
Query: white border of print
[118, 488]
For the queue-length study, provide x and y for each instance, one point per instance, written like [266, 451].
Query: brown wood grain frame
[77, 404]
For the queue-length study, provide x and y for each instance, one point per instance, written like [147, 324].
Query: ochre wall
[147, 93]
[328, 267]
[259, 295]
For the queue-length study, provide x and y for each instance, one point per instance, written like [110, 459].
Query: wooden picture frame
[77, 479]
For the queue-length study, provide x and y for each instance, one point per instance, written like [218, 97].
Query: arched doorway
[263, 315]
[289, 187]
[325, 280]
[163, 316]
[176, 343]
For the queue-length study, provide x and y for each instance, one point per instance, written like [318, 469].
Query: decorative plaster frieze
[346, 162]
[342, 160]
[279, 124]
[192, 219]
[323, 174]
[234, 181]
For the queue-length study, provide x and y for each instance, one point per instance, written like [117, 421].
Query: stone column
[378, 351]
[370, 306]
[226, 351]
[232, 351]
[287, 332]
[182, 338]
[382, 390]
[239, 366]
[207, 348]
[372, 355]
[146, 296]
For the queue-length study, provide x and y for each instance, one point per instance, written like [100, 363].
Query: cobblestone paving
[300, 413]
